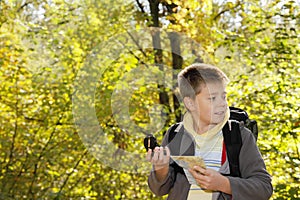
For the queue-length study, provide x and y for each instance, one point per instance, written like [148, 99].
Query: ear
[189, 103]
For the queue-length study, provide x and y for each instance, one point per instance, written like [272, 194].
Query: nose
[223, 102]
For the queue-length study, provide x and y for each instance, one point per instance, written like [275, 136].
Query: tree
[48, 48]
[268, 81]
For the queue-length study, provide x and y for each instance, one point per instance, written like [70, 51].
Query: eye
[212, 98]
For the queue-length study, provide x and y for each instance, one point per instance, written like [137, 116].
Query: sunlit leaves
[43, 45]
[268, 86]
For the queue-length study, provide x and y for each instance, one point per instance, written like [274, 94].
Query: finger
[155, 156]
[161, 153]
[200, 170]
[202, 183]
[149, 155]
[200, 178]
[167, 151]
[194, 173]
[156, 148]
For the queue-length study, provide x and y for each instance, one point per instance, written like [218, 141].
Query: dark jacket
[254, 183]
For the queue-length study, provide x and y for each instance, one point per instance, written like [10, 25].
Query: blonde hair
[192, 78]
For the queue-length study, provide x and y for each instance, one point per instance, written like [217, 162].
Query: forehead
[213, 87]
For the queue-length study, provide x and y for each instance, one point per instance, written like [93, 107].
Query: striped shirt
[209, 146]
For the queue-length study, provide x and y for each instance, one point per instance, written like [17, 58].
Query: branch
[36, 166]
[140, 6]
[220, 13]
[14, 136]
[24, 5]
[226, 10]
[136, 43]
[69, 174]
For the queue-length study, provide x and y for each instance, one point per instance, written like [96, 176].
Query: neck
[202, 128]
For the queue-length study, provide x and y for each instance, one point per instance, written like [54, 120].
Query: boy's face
[210, 105]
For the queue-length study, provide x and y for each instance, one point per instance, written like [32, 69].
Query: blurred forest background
[65, 63]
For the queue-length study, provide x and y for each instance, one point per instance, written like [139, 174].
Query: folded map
[189, 161]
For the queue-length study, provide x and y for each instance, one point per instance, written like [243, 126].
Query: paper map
[189, 162]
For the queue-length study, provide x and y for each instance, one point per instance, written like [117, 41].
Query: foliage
[46, 48]
[269, 85]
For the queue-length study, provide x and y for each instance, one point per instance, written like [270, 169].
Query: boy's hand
[210, 179]
[160, 157]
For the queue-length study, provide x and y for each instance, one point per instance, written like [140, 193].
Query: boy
[203, 90]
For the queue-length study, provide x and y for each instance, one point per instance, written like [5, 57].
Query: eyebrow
[217, 93]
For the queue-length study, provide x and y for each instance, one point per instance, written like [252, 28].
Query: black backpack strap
[175, 137]
[175, 130]
[238, 114]
[233, 142]
[252, 126]
[172, 132]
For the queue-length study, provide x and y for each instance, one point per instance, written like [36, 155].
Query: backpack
[232, 138]
[242, 116]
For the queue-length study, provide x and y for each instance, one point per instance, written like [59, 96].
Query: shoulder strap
[233, 142]
[175, 137]
[172, 132]
[176, 130]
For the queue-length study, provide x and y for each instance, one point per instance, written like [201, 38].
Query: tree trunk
[177, 66]
[158, 54]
